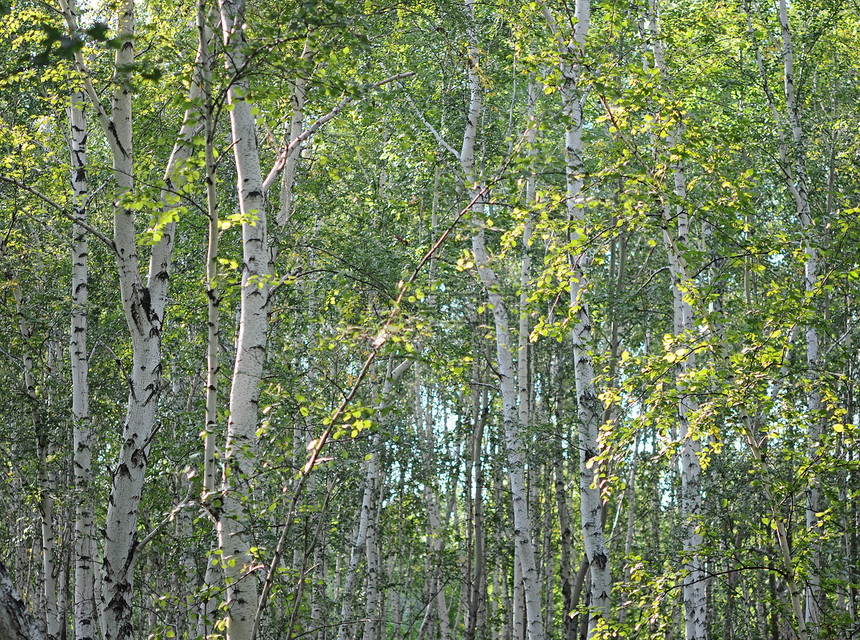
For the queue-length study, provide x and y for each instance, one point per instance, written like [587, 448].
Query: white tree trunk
[208, 604]
[590, 409]
[768, 482]
[694, 585]
[240, 450]
[298, 95]
[523, 389]
[424, 427]
[15, 621]
[84, 594]
[144, 307]
[347, 592]
[367, 513]
[694, 589]
[513, 430]
[814, 596]
[48, 614]
[121, 524]
[475, 579]
[797, 184]
[205, 24]
[513, 434]
[373, 602]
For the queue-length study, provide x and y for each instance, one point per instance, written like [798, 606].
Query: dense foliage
[665, 192]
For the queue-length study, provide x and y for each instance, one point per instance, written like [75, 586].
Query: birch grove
[325, 320]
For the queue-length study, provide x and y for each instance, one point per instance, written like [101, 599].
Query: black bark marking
[146, 302]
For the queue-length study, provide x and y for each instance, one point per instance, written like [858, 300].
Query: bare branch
[187, 500]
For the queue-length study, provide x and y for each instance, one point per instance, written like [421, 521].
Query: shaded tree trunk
[15, 622]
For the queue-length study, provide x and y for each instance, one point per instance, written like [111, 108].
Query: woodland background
[482, 319]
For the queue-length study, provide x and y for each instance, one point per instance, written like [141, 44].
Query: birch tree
[144, 308]
[524, 549]
[694, 589]
[800, 191]
[590, 410]
[84, 594]
[240, 449]
[655, 258]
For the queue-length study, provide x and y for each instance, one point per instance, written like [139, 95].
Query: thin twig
[442, 142]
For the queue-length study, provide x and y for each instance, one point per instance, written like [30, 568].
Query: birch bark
[372, 595]
[522, 361]
[48, 614]
[694, 591]
[694, 583]
[424, 425]
[346, 592]
[15, 620]
[205, 20]
[768, 481]
[298, 95]
[695, 594]
[590, 409]
[476, 577]
[797, 182]
[513, 429]
[84, 594]
[367, 512]
[143, 306]
[254, 306]
[568, 602]
[240, 450]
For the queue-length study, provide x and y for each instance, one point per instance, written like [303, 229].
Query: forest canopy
[490, 320]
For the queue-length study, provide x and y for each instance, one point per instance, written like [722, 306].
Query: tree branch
[98, 234]
[187, 500]
[442, 142]
[340, 106]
